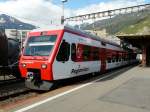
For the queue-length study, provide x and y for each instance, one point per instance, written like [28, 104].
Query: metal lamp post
[62, 17]
[20, 32]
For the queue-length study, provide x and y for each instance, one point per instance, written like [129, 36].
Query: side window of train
[113, 59]
[86, 53]
[73, 52]
[96, 54]
[103, 43]
[109, 60]
[64, 52]
[120, 58]
[117, 58]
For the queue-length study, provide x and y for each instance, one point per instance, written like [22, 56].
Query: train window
[103, 43]
[95, 54]
[124, 59]
[113, 59]
[73, 52]
[40, 45]
[86, 53]
[117, 58]
[109, 60]
[64, 52]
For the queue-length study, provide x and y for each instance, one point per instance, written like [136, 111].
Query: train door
[62, 65]
[103, 59]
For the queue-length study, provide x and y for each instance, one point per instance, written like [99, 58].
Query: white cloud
[44, 11]
[41, 11]
[103, 6]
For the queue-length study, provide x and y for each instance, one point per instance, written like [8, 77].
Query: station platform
[124, 90]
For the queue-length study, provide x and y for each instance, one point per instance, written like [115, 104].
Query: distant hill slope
[141, 27]
[121, 23]
[9, 22]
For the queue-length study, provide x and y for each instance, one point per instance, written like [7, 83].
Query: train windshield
[40, 45]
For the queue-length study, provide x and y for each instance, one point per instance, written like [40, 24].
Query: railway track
[8, 81]
[11, 87]
[15, 90]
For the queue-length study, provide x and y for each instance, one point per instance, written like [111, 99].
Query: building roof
[136, 40]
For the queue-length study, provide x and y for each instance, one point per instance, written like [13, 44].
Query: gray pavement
[127, 91]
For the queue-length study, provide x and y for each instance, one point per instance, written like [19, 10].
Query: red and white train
[61, 52]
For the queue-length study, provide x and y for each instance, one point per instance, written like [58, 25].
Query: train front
[37, 58]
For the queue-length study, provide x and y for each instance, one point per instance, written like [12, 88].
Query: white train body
[73, 53]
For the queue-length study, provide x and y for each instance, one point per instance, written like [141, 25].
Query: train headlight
[44, 66]
[23, 65]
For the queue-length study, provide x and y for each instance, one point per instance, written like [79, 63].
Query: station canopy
[136, 40]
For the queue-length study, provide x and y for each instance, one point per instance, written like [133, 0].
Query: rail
[11, 87]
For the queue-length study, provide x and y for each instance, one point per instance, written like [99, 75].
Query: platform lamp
[62, 17]
[20, 32]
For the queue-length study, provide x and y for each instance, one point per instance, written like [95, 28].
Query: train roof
[82, 32]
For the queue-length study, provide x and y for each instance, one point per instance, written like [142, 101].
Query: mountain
[142, 27]
[121, 22]
[9, 22]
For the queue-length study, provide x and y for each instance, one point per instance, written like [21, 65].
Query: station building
[142, 42]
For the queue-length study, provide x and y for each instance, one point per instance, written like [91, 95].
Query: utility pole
[62, 17]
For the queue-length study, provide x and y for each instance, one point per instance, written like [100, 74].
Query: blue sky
[75, 4]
